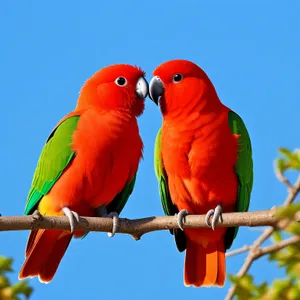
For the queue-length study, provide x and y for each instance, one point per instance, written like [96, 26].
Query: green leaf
[280, 286]
[22, 287]
[294, 228]
[233, 278]
[261, 290]
[281, 165]
[297, 154]
[277, 255]
[293, 293]
[5, 264]
[244, 286]
[285, 152]
[8, 291]
[297, 284]
[293, 269]
[277, 236]
[288, 212]
[4, 282]
[294, 250]
[292, 158]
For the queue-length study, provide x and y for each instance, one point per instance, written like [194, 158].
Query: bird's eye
[121, 81]
[177, 78]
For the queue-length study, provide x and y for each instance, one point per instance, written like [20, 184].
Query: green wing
[120, 199]
[244, 171]
[169, 208]
[55, 157]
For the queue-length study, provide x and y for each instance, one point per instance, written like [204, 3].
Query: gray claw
[37, 215]
[181, 218]
[101, 211]
[116, 222]
[72, 216]
[207, 217]
[217, 216]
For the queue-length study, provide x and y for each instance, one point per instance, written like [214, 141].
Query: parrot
[203, 164]
[88, 165]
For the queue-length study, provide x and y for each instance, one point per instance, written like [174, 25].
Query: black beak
[156, 89]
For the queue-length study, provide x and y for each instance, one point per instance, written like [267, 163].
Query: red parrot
[203, 162]
[88, 165]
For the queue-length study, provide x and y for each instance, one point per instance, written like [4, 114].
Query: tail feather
[192, 260]
[221, 264]
[30, 241]
[44, 252]
[211, 261]
[48, 271]
[204, 266]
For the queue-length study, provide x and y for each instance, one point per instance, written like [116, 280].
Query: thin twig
[278, 246]
[283, 179]
[292, 193]
[243, 249]
[265, 250]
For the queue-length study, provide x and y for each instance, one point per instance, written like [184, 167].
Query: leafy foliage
[290, 160]
[287, 288]
[7, 290]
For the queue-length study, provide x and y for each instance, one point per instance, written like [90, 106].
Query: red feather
[199, 153]
[108, 149]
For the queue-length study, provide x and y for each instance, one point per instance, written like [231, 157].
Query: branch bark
[272, 248]
[265, 250]
[136, 227]
[292, 193]
[243, 249]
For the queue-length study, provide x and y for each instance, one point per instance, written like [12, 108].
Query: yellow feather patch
[46, 207]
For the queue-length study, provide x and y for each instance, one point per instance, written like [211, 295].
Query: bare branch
[283, 179]
[292, 193]
[243, 249]
[136, 227]
[265, 250]
[272, 248]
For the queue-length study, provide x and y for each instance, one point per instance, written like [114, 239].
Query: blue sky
[48, 49]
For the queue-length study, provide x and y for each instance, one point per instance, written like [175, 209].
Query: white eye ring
[121, 81]
[177, 78]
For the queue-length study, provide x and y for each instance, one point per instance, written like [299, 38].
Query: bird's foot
[102, 212]
[72, 216]
[181, 218]
[217, 216]
[116, 220]
[37, 216]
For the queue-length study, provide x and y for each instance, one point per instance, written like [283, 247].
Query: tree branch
[283, 179]
[136, 227]
[265, 250]
[292, 193]
[243, 249]
[278, 246]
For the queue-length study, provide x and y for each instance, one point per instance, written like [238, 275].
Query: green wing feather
[120, 199]
[118, 203]
[244, 171]
[169, 208]
[55, 157]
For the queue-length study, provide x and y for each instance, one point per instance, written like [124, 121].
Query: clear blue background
[49, 48]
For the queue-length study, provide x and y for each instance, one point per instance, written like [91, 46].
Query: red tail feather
[44, 251]
[204, 266]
